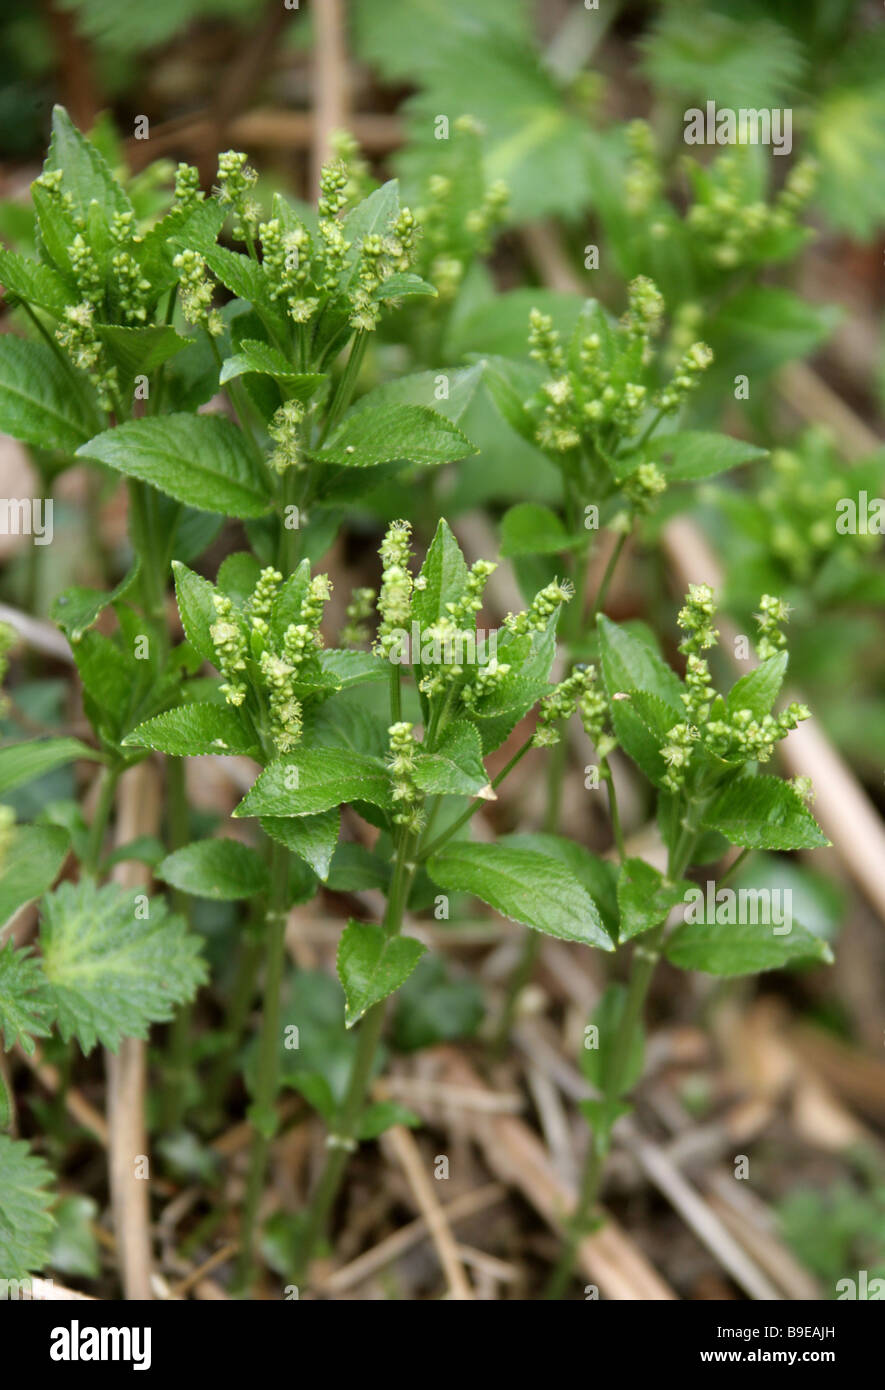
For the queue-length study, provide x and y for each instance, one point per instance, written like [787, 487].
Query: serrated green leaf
[196, 609]
[25, 1010]
[371, 965]
[25, 1221]
[224, 870]
[629, 664]
[34, 282]
[252, 355]
[764, 813]
[312, 838]
[598, 876]
[76, 609]
[191, 731]
[645, 897]
[243, 277]
[441, 578]
[525, 886]
[85, 173]
[316, 779]
[141, 350]
[38, 401]
[458, 390]
[395, 433]
[31, 862]
[758, 689]
[530, 529]
[455, 767]
[111, 971]
[403, 285]
[742, 948]
[692, 454]
[202, 460]
[22, 762]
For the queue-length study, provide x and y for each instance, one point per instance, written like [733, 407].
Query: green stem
[177, 1069]
[642, 968]
[346, 382]
[475, 805]
[343, 1141]
[268, 1072]
[107, 787]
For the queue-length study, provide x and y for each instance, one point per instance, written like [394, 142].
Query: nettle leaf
[196, 608]
[598, 876]
[24, 1007]
[141, 350]
[111, 971]
[243, 277]
[394, 433]
[25, 1221]
[458, 387]
[353, 668]
[511, 384]
[641, 723]
[77, 609]
[312, 838]
[455, 767]
[38, 402]
[202, 460]
[371, 965]
[403, 285]
[597, 1062]
[758, 689]
[441, 578]
[743, 948]
[630, 664]
[530, 529]
[221, 869]
[764, 813]
[34, 282]
[23, 762]
[524, 885]
[32, 861]
[316, 779]
[252, 355]
[354, 868]
[693, 454]
[195, 730]
[86, 175]
[645, 897]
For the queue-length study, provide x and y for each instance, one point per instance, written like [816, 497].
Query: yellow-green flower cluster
[643, 178]
[464, 610]
[731, 226]
[187, 187]
[544, 604]
[407, 799]
[245, 657]
[561, 704]
[284, 429]
[593, 712]
[286, 256]
[229, 642]
[356, 631]
[485, 682]
[395, 597]
[646, 483]
[76, 334]
[773, 612]
[686, 378]
[195, 291]
[132, 289]
[741, 736]
[234, 179]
